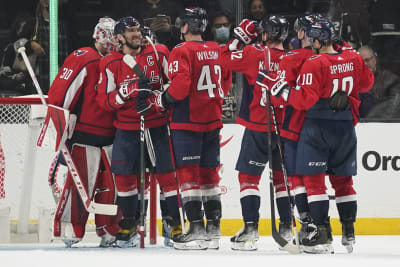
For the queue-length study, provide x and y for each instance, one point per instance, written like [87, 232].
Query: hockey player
[198, 84]
[291, 127]
[293, 119]
[253, 154]
[74, 88]
[327, 89]
[117, 89]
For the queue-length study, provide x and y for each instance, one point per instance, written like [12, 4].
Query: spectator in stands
[158, 15]
[257, 10]
[42, 36]
[14, 77]
[221, 29]
[383, 100]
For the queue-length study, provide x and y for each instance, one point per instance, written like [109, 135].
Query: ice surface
[369, 251]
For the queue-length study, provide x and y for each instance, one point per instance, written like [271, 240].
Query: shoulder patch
[258, 47]
[314, 57]
[179, 45]
[80, 52]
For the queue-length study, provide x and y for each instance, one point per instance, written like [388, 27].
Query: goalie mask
[104, 34]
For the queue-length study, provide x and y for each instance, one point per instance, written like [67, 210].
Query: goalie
[74, 89]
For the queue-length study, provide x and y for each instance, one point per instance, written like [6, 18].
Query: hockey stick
[285, 177]
[131, 62]
[182, 218]
[288, 246]
[90, 205]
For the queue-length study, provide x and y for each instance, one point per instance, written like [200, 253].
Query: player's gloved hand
[128, 91]
[149, 100]
[272, 82]
[243, 34]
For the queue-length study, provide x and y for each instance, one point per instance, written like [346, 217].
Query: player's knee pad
[209, 184]
[315, 187]
[188, 177]
[126, 184]
[248, 184]
[279, 183]
[343, 185]
[167, 182]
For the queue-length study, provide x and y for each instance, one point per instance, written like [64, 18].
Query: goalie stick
[90, 205]
[288, 246]
[182, 218]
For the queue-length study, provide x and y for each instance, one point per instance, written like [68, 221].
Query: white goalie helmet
[104, 34]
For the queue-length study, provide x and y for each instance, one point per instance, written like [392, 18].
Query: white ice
[369, 251]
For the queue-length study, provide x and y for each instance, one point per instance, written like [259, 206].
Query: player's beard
[132, 44]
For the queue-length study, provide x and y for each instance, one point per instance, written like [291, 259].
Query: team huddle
[143, 111]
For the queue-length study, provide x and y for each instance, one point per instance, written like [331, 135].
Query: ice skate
[68, 234]
[246, 238]
[107, 241]
[307, 227]
[170, 232]
[213, 231]
[285, 230]
[348, 237]
[127, 236]
[194, 239]
[317, 242]
[70, 241]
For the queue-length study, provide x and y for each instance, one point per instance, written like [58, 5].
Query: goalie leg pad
[70, 213]
[106, 194]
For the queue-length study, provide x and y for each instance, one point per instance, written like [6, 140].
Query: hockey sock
[284, 211]
[212, 209]
[319, 211]
[250, 206]
[128, 205]
[193, 210]
[301, 203]
[163, 206]
[347, 211]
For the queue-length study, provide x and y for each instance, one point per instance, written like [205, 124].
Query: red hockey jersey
[198, 83]
[290, 67]
[114, 73]
[324, 74]
[250, 61]
[74, 88]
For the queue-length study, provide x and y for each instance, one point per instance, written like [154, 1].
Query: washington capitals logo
[80, 52]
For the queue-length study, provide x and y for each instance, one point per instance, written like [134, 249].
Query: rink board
[377, 182]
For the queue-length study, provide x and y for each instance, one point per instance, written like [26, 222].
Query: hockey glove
[243, 34]
[128, 91]
[149, 100]
[273, 83]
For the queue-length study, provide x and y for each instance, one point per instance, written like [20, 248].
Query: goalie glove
[273, 83]
[128, 91]
[243, 34]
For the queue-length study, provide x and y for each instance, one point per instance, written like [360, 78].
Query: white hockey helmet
[104, 34]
